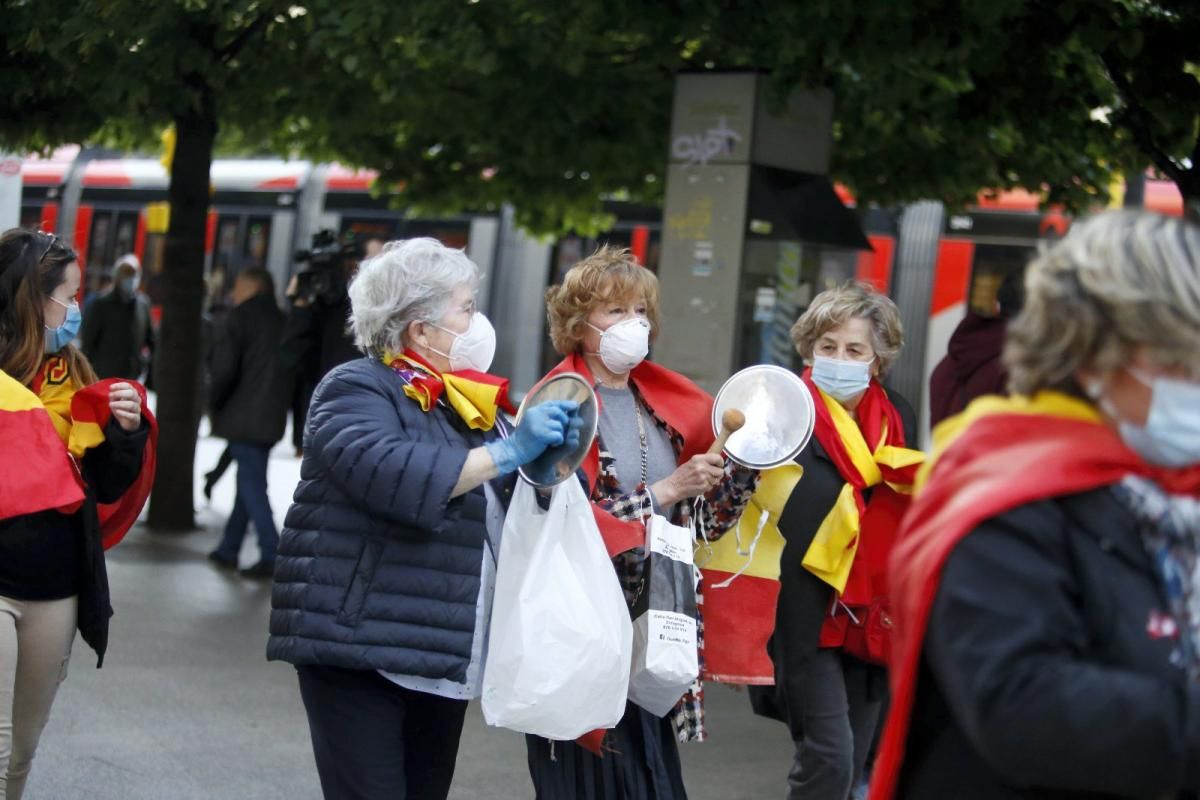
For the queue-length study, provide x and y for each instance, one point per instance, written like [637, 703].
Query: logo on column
[699, 148]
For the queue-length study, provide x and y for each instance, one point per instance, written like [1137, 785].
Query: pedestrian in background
[118, 334]
[972, 366]
[829, 644]
[316, 337]
[1046, 577]
[387, 565]
[66, 444]
[249, 397]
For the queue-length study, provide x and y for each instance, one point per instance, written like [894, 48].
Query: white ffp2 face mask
[474, 348]
[624, 345]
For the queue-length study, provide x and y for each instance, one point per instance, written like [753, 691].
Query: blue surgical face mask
[1171, 435]
[60, 337]
[841, 380]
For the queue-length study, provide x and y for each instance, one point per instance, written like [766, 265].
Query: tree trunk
[177, 371]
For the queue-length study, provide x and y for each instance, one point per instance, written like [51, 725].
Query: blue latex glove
[542, 426]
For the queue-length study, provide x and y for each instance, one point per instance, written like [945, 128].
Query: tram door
[113, 234]
[242, 241]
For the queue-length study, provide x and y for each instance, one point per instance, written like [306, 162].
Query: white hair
[411, 280]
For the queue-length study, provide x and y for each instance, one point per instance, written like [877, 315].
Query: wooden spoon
[731, 421]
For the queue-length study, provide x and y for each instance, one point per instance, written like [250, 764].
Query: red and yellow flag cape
[999, 454]
[36, 473]
[78, 417]
[849, 550]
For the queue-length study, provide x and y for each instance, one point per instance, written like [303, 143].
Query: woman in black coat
[386, 566]
[828, 688]
[55, 467]
[1045, 577]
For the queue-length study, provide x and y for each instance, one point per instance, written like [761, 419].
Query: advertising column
[703, 219]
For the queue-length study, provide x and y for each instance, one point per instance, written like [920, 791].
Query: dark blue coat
[377, 567]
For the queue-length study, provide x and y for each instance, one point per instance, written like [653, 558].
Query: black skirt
[640, 762]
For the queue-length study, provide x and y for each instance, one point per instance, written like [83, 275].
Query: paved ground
[188, 707]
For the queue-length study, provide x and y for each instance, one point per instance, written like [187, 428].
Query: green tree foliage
[940, 99]
[122, 69]
[551, 106]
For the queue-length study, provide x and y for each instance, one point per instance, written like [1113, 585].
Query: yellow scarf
[476, 397]
[831, 555]
[55, 387]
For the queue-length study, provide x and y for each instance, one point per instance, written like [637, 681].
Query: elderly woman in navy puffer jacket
[386, 566]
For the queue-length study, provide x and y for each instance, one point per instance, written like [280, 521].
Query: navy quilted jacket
[377, 567]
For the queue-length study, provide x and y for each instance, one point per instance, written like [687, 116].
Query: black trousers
[374, 740]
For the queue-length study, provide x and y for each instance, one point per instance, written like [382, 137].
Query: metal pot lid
[557, 464]
[779, 416]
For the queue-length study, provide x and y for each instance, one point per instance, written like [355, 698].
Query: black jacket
[804, 599]
[249, 393]
[115, 330]
[377, 567]
[1041, 677]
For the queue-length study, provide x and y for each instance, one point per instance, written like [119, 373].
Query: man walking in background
[117, 335]
[249, 401]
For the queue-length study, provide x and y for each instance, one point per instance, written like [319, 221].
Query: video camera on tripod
[323, 279]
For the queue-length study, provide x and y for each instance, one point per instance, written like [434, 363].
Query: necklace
[637, 410]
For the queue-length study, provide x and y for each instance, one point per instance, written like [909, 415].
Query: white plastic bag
[665, 655]
[561, 639]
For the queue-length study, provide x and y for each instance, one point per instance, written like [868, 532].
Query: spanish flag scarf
[999, 454]
[52, 426]
[868, 454]
[476, 397]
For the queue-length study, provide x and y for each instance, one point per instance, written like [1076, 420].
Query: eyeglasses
[53, 241]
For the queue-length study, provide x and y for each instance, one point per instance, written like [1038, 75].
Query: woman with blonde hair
[830, 639]
[67, 444]
[1046, 577]
[650, 457]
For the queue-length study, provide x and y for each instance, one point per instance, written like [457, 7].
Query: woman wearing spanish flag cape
[76, 465]
[649, 457]
[1046, 584]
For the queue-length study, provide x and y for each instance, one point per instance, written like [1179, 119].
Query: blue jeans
[251, 503]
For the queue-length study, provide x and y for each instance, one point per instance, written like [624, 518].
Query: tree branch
[1138, 120]
[231, 50]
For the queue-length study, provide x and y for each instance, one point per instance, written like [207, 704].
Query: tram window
[152, 267]
[258, 237]
[225, 257]
[31, 218]
[991, 265]
[777, 284]
[100, 245]
[567, 253]
[450, 234]
[126, 237]
[837, 266]
[364, 229]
